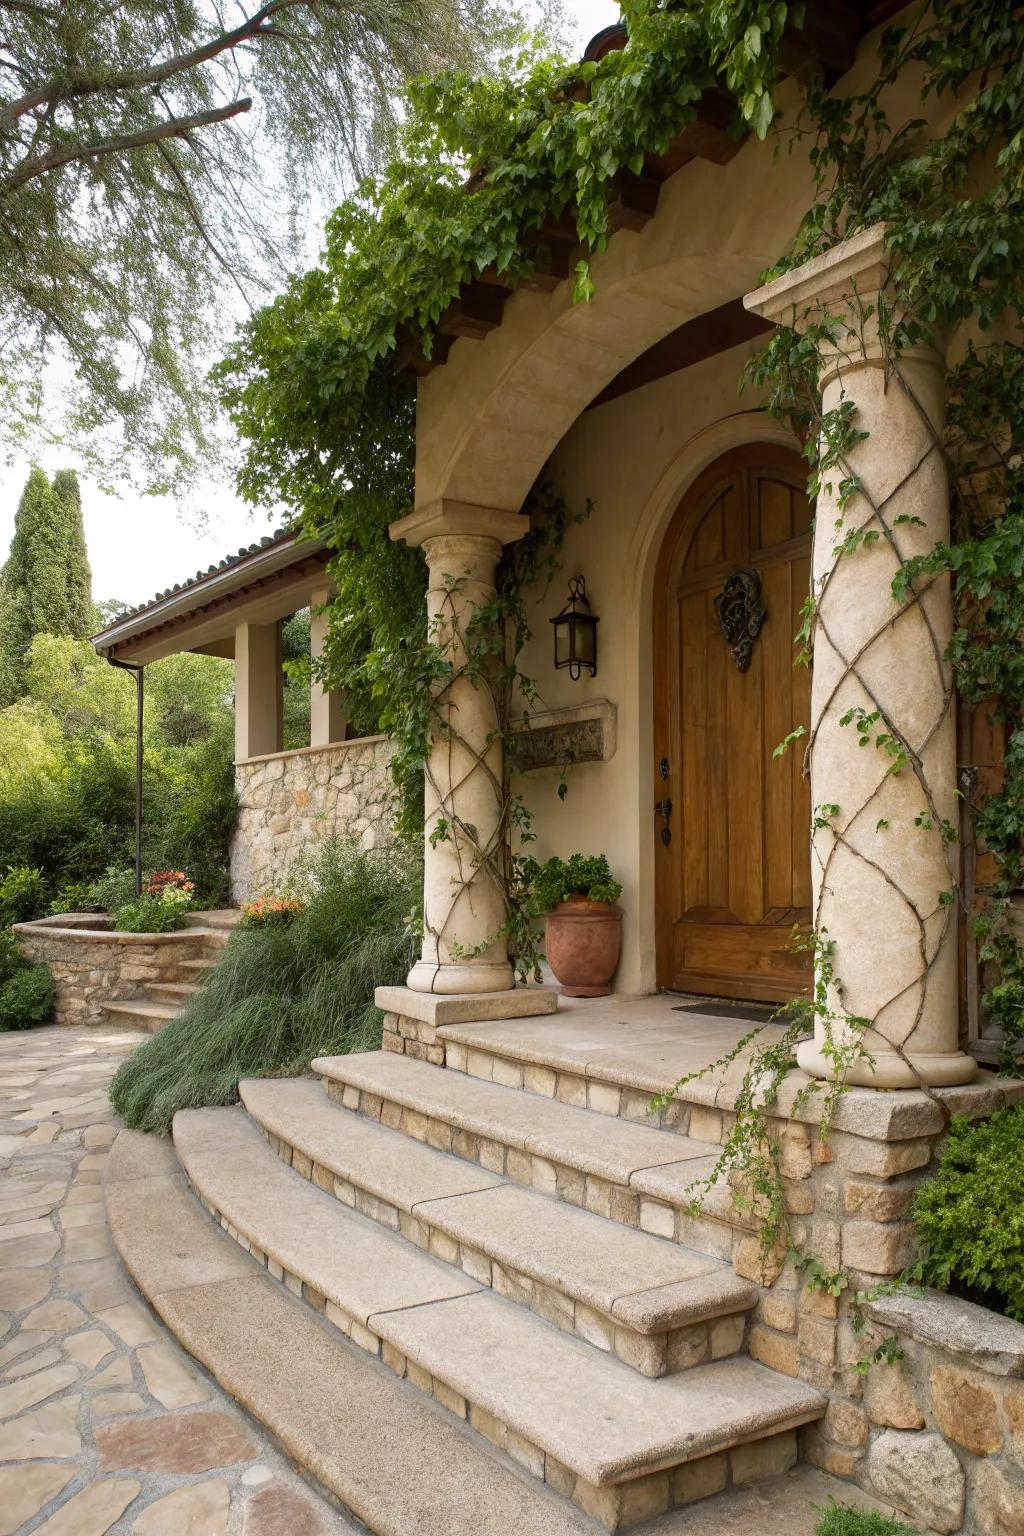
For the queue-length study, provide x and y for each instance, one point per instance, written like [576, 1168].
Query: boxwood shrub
[970, 1216]
[27, 993]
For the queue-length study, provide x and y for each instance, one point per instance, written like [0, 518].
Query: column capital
[445, 517]
[859, 265]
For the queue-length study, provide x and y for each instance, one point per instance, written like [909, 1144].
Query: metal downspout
[128, 666]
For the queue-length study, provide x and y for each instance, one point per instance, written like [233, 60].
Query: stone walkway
[105, 1423]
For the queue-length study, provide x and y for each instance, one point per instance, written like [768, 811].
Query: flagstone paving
[106, 1425]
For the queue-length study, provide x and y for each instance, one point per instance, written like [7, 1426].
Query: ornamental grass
[284, 993]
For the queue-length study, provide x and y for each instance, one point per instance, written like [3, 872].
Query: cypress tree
[75, 558]
[45, 586]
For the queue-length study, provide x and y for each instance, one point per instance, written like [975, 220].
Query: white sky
[141, 544]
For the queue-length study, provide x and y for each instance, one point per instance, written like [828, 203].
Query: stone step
[213, 938]
[658, 1306]
[141, 1014]
[623, 1447]
[226, 918]
[630, 1173]
[174, 989]
[398, 1460]
[201, 965]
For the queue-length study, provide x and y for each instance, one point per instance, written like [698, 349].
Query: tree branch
[136, 80]
[174, 128]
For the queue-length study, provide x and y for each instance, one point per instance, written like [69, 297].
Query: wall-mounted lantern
[576, 633]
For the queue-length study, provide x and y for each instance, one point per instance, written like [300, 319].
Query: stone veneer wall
[941, 1434]
[291, 800]
[92, 964]
[941, 1431]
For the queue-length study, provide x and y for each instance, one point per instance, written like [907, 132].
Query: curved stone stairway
[419, 1303]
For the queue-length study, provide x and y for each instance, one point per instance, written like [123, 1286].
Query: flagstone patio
[105, 1423]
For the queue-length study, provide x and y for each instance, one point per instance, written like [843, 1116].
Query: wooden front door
[734, 875]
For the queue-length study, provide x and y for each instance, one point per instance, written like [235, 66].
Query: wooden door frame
[693, 504]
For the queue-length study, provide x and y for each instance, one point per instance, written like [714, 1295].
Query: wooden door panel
[777, 653]
[740, 750]
[735, 876]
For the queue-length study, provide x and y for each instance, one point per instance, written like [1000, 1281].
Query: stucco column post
[259, 684]
[463, 905]
[883, 877]
[326, 707]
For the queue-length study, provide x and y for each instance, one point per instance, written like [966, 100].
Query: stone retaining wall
[291, 800]
[941, 1431]
[92, 965]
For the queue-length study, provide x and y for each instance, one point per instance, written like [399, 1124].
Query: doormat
[744, 1013]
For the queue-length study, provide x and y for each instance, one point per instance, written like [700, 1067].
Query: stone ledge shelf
[555, 738]
[353, 744]
[984, 1339]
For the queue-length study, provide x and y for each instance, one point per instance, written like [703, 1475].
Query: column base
[936, 1069]
[427, 976]
[438, 1008]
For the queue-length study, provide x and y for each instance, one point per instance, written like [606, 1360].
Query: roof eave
[240, 573]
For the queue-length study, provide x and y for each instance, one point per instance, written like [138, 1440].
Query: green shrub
[11, 959]
[970, 1218]
[283, 993]
[77, 896]
[154, 912]
[115, 888]
[840, 1520]
[27, 997]
[557, 879]
[22, 894]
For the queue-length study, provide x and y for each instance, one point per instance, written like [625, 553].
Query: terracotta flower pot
[583, 940]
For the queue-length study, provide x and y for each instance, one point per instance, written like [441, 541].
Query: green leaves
[968, 1217]
[787, 741]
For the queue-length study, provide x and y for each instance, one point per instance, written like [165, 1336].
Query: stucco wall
[289, 801]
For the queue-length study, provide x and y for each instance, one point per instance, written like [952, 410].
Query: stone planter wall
[92, 965]
[942, 1430]
[291, 800]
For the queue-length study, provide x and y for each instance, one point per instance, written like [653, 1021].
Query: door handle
[663, 808]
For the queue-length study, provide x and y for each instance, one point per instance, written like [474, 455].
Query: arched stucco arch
[490, 418]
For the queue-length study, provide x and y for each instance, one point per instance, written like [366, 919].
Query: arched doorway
[733, 874]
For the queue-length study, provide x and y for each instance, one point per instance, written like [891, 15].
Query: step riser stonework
[605, 1098]
[680, 1349]
[720, 1239]
[617, 1507]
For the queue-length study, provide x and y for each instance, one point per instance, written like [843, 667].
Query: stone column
[462, 898]
[884, 879]
[326, 707]
[258, 690]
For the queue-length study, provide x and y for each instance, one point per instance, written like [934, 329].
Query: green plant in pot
[583, 929]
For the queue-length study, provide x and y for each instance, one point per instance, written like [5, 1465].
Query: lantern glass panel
[562, 642]
[584, 648]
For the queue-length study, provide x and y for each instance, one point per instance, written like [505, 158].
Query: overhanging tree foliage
[156, 153]
[45, 586]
